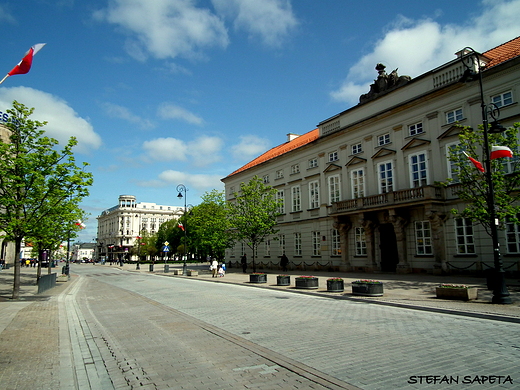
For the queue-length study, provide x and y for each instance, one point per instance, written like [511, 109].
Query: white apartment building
[119, 226]
[360, 191]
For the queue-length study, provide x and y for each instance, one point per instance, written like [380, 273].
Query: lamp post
[470, 60]
[180, 189]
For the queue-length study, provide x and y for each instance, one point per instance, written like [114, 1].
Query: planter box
[192, 272]
[260, 278]
[177, 271]
[367, 290]
[283, 280]
[335, 285]
[307, 283]
[463, 294]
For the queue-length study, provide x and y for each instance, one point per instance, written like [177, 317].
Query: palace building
[359, 192]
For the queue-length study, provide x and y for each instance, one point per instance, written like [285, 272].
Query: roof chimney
[292, 136]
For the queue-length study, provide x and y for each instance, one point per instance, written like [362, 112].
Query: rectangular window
[361, 244]
[357, 179]
[313, 163]
[356, 148]
[503, 99]
[513, 237]
[423, 238]
[333, 156]
[316, 244]
[454, 116]
[280, 196]
[296, 199]
[279, 174]
[282, 243]
[464, 236]
[336, 243]
[383, 139]
[297, 244]
[415, 129]
[295, 168]
[418, 170]
[314, 195]
[334, 189]
[386, 179]
[266, 179]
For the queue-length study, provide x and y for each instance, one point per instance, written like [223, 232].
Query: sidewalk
[415, 291]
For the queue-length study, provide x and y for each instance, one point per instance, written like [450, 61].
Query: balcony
[406, 197]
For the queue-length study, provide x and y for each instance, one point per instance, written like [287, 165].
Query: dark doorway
[388, 248]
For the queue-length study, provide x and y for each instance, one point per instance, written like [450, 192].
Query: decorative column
[369, 227]
[343, 225]
[399, 223]
[439, 247]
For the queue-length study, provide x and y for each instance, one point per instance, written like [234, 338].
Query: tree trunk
[16, 281]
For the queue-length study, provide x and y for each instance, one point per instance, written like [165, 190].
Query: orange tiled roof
[280, 149]
[504, 52]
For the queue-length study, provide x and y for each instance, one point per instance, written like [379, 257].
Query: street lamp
[471, 61]
[180, 189]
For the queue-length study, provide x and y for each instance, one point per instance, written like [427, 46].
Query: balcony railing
[411, 195]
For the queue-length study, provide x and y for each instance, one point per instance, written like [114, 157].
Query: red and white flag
[80, 224]
[500, 151]
[24, 65]
[475, 162]
[181, 226]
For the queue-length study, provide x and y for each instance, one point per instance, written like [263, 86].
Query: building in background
[119, 226]
[83, 252]
[359, 192]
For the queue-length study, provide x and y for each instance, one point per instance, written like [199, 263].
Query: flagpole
[6, 76]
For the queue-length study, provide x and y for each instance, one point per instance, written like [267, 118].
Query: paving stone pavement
[51, 341]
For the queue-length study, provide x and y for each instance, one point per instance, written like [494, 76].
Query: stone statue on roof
[384, 83]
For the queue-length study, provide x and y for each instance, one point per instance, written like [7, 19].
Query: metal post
[180, 189]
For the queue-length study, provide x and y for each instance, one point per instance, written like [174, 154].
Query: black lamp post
[180, 189]
[470, 60]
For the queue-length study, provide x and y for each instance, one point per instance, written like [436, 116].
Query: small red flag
[24, 66]
[181, 226]
[475, 162]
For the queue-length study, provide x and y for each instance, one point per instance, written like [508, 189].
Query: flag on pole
[500, 151]
[475, 162]
[24, 66]
[181, 226]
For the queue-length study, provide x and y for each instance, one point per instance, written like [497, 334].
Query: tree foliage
[474, 189]
[252, 215]
[209, 225]
[36, 179]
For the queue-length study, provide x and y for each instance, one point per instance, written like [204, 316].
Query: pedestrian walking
[222, 270]
[284, 261]
[214, 268]
[243, 260]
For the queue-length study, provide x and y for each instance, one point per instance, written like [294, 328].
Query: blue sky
[163, 92]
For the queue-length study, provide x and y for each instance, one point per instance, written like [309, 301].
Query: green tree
[35, 178]
[474, 189]
[252, 215]
[209, 225]
[169, 231]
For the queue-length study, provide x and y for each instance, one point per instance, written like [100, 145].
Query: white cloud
[63, 121]
[172, 111]
[250, 146]
[416, 46]
[117, 111]
[271, 20]
[5, 15]
[166, 149]
[200, 182]
[202, 151]
[165, 28]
